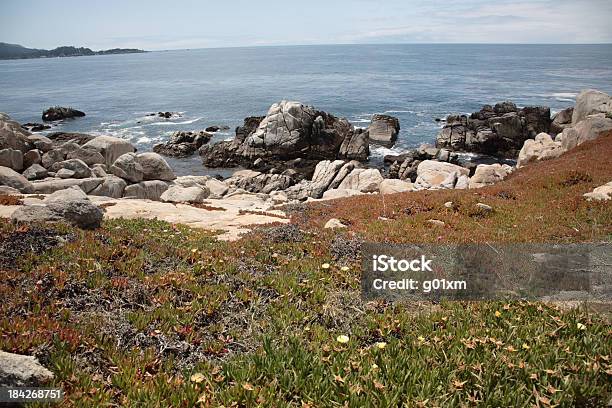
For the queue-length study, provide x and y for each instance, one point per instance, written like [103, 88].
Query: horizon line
[320, 45]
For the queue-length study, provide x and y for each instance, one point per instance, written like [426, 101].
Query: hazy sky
[172, 24]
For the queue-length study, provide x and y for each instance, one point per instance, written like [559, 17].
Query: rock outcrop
[488, 174]
[591, 102]
[59, 113]
[383, 130]
[543, 147]
[289, 131]
[434, 175]
[9, 177]
[109, 147]
[561, 120]
[500, 130]
[183, 143]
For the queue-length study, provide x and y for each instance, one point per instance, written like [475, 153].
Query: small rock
[31, 157]
[436, 222]
[178, 194]
[601, 193]
[35, 172]
[484, 207]
[22, 371]
[448, 204]
[334, 223]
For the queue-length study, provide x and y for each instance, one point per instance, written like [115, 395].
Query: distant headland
[15, 51]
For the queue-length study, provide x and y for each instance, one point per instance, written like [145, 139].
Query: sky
[180, 24]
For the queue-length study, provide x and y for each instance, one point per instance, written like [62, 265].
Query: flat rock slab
[230, 220]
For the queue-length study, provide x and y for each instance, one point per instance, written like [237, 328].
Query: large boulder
[340, 193]
[12, 136]
[51, 157]
[289, 131]
[111, 186]
[74, 137]
[589, 128]
[324, 174]
[183, 143]
[52, 185]
[364, 180]
[154, 167]
[178, 194]
[35, 172]
[434, 175]
[147, 190]
[355, 146]
[17, 370]
[487, 174]
[70, 205]
[128, 167]
[589, 102]
[11, 158]
[78, 168]
[10, 178]
[59, 113]
[42, 143]
[498, 131]
[31, 157]
[88, 155]
[561, 120]
[110, 147]
[392, 186]
[257, 182]
[383, 129]
[543, 147]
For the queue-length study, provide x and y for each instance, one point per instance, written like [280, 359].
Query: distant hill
[15, 51]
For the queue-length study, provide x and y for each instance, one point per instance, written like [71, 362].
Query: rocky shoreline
[292, 154]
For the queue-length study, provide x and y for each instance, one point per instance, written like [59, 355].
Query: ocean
[416, 83]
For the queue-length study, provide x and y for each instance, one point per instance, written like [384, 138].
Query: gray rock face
[10, 178]
[487, 174]
[51, 157]
[59, 113]
[78, 167]
[324, 174]
[543, 147]
[128, 167]
[88, 155]
[110, 147]
[433, 175]
[71, 206]
[51, 186]
[12, 136]
[111, 186]
[183, 144]
[178, 194]
[499, 131]
[42, 143]
[154, 167]
[148, 190]
[364, 180]
[35, 172]
[392, 186]
[31, 157]
[588, 129]
[561, 120]
[11, 158]
[344, 171]
[289, 131]
[256, 182]
[22, 371]
[384, 129]
[63, 137]
[355, 146]
[590, 102]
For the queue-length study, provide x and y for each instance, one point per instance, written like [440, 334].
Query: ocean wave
[381, 151]
[565, 95]
[399, 111]
[186, 122]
